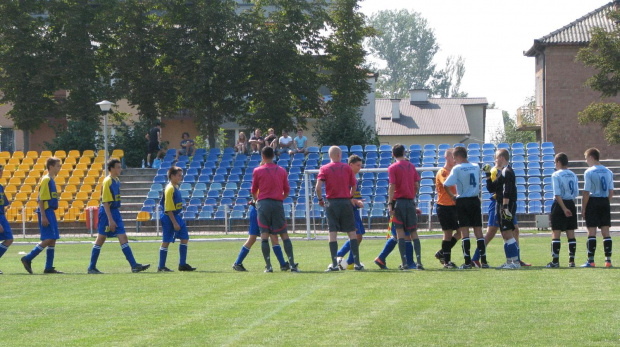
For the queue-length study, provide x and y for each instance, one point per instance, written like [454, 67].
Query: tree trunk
[26, 141]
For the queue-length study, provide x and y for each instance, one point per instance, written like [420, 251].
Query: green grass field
[216, 306]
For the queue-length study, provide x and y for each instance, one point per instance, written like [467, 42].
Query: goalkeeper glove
[487, 169]
[506, 213]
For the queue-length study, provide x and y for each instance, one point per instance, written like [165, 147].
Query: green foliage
[221, 138]
[603, 54]
[130, 138]
[511, 134]
[345, 128]
[77, 134]
[200, 142]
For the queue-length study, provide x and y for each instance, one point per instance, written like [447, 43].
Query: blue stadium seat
[382, 183]
[368, 184]
[459, 145]
[532, 145]
[518, 145]
[356, 148]
[548, 205]
[370, 148]
[385, 155]
[366, 191]
[548, 165]
[533, 158]
[534, 180]
[521, 207]
[219, 215]
[160, 179]
[547, 180]
[219, 179]
[549, 196]
[548, 158]
[534, 196]
[313, 149]
[204, 179]
[533, 165]
[547, 145]
[485, 206]
[427, 160]
[533, 151]
[344, 149]
[149, 209]
[518, 165]
[490, 146]
[521, 197]
[533, 173]
[211, 202]
[488, 159]
[385, 148]
[381, 191]
[185, 186]
[368, 176]
[474, 160]
[189, 179]
[520, 180]
[473, 146]
[213, 194]
[415, 147]
[430, 147]
[372, 155]
[518, 158]
[384, 163]
[157, 187]
[503, 146]
[428, 174]
[383, 176]
[228, 194]
[153, 195]
[548, 151]
[325, 149]
[185, 194]
[198, 193]
[534, 188]
[427, 182]
[518, 151]
[490, 152]
[473, 153]
[548, 188]
[534, 207]
[521, 187]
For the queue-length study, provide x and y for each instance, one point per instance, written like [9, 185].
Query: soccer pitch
[216, 306]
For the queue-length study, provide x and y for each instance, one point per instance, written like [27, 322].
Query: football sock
[333, 249]
[402, 248]
[35, 251]
[447, 250]
[264, 246]
[49, 260]
[288, 248]
[481, 246]
[344, 249]
[242, 254]
[3, 249]
[607, 248]
[556, 244]
[163, 255]
[512, 250]
[409, 253]
[182, 253]
[355, 250]
[94, 256]
[466, 248]
[418, 250]
[572, 248]
[128, 254]
[453, 242]
[591, 246]
[350, 258]
[277, 251]
[390, 244]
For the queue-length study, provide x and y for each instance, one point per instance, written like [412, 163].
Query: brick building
[560, 91]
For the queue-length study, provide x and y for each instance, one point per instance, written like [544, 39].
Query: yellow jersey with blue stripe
[172, 200]
[48, 193]
[111, 192]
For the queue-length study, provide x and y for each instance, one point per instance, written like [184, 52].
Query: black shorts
[405, 215]
[153, 147]
[559, 221]
[506, 224]
[598, 213]
[271, 216]
[340, 215]
[469, 212]
[448, 218]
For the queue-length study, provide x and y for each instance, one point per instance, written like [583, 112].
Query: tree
[407, 46]
[345, 128]
[510, 134]
[603, 54]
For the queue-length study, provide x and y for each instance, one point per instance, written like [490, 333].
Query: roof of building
[438, 116]
[579, 32]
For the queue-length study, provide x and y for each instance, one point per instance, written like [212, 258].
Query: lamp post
[105, 107]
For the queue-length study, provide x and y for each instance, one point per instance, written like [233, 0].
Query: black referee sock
[466, 249]
[572, 248]
[355, 250]
[403, 251]
[482, 247]
[591, 246]
[288, 248]
[446, 248]
[333, 249]
[264, 245]
[607, 247]
[556, 245]
[453, 242]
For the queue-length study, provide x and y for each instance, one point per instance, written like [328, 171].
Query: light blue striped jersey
[565, 184]
[466, 177]
[599, 180]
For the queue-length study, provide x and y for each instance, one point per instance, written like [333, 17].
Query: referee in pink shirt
[340, 186]
[269, 188]
[404, 181]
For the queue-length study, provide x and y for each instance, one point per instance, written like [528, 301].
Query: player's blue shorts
[169, 234]
[103, 227]
[493, 220]
[359, 225]
[49, 232]
[254, 230]
[7, 234]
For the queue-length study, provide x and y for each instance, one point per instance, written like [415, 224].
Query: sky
[491, 35]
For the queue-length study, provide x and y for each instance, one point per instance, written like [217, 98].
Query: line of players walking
[458, 210]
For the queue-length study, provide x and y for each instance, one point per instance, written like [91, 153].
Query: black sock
[333, 249]
[446, 248]
[482, 247]
[466, 248]
[266, 252]
[572, 248]
[453, 242]
[556, 244]
[402, 250]
[417, 249]
[288, 248]
[355, 250]
[607, 247]
[591, 245]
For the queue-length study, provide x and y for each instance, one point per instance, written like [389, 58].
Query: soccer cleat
[465, 267]
[553, 265]
[380, 264]
[571, 264]
[164, 269]
[484, 266]
[419, 267]
[510, 266]
[239, 267]
[439, 256]
[186, 267]
[358, 268]
[140, 267]
[608, 263]
[27, 265]
[449, 265]
[52, 271]
[522, 263]
[284, 267]
[268, 269]
[332, 268]
[476, 264]
[589, 264]
[294, 268]
[403, 267]
[94, 271]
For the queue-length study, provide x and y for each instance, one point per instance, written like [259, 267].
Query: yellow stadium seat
[18, 154]
[38, 167]
[82, 166]
[66, 196]
[19, 174]
[63, 173]
[72, 215]
[3, 161]
[20, 197]
[85, 160]
[26, 188]
[96, 195]
[70, 160]
[118, 153]
[82, 196]
[78, 203]
[5, 155]
[93, 173]
[143, 216]
[82, 217]
[17, 204]
[11, 213]
[99, 160]
[58, 187]
[92, 203]
[101, 153]
[10, 188]
[19, 218]
[74, 180]
[14, 161]
[63, 204]
[88, 153]
[34, 217]
[70, 188]
[32, 154]
[67, 167]
[45, 154]
[34, 174]
[78, 173]
[42, 161]
[31, 181]
[16, 181]
[73, 153]
[96, 166]
[89, 180]
[100, 179]
[60, 181]
[9, 195]
[86, 188]
[60, 154]
[7, 174]
[3, 181]
[23, 167]
[28, 161]
[31, 205]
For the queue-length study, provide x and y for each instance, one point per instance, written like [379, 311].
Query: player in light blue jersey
[466, 177]
[597, 194]
[563, 211]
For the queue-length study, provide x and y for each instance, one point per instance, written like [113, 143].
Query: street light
[105, 106]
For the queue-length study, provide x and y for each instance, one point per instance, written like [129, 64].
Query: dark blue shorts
[103, 227]
[169, 234]
[359, 225]
[254, 230]
[49, 232]
[493, 221]
[7, 234]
